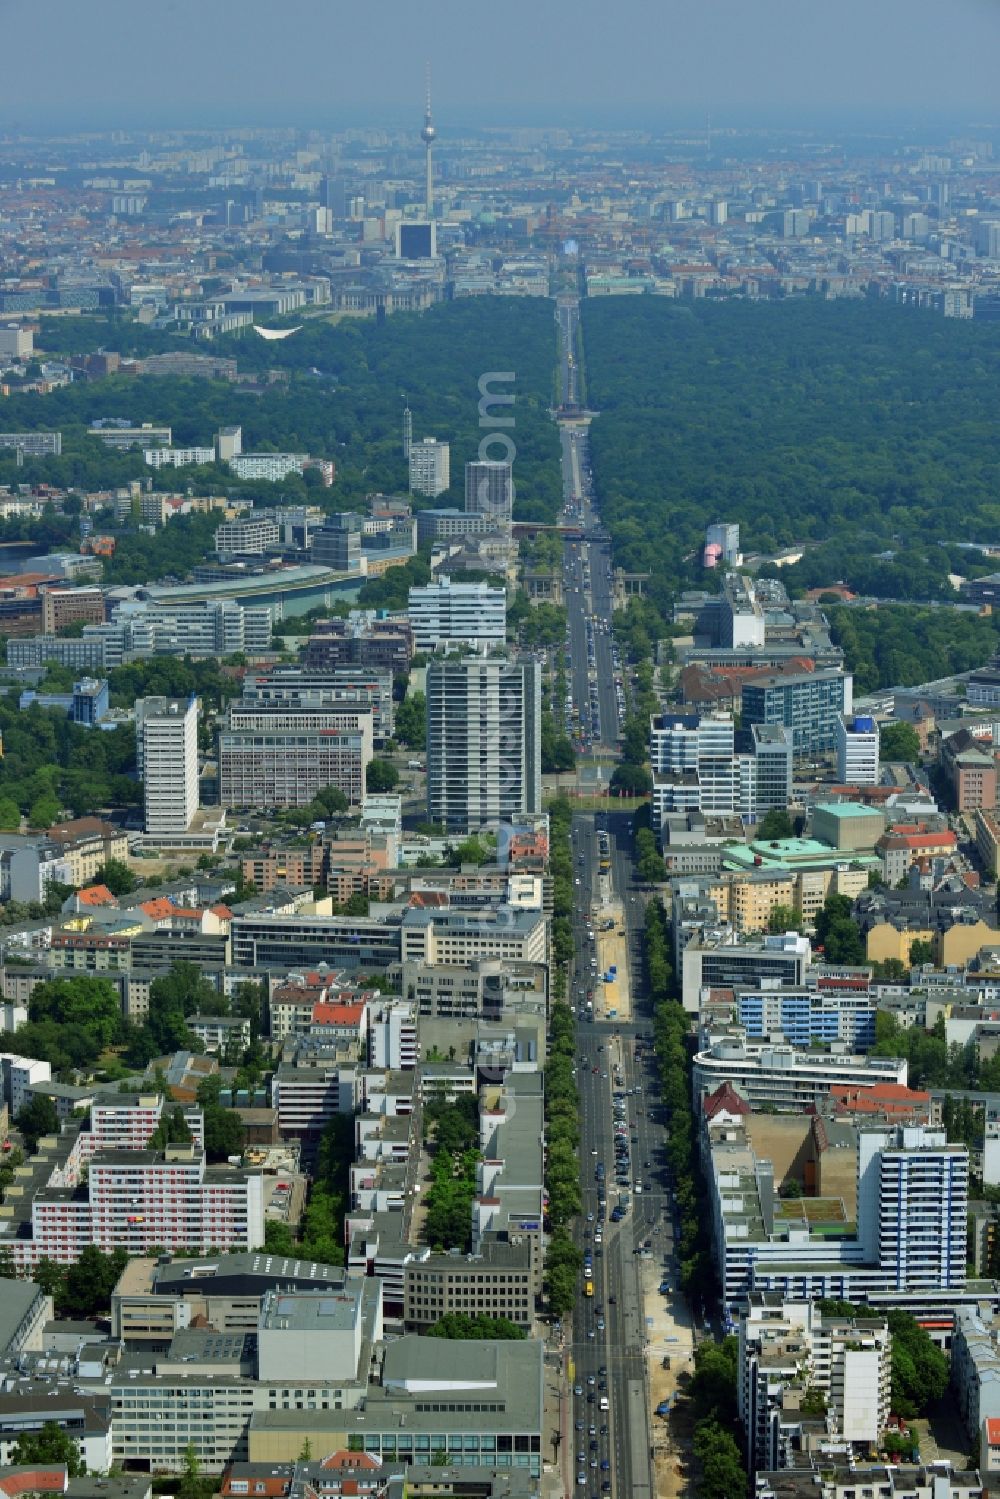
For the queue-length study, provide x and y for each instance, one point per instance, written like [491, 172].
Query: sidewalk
[669, 1334]
[612, 952]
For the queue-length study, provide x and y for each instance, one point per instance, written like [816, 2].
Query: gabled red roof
[344, 1459]
[158, 908]
[334, 1014]
[96, 895]
[724, 1099]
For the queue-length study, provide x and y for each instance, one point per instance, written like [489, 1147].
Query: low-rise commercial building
[499, 1282]
[479, 1403]
[455, 938]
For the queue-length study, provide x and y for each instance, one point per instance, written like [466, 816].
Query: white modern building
[857, 742]
[693, 763]
[177, 457]
[446, 613]
[20, 1075]
[272, 467]
[250, 534]
[741, 619]
[484, 761]
[430, 467]
[16, 342]
[788, 1348]
[722, 540]
[489, 489]
[698, 768]
[392, 1035]
[722, 961]
[782, 1078]
[169, 735]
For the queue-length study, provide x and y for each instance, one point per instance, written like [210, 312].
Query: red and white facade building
[139, 1199]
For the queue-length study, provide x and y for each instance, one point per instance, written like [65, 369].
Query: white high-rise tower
[169, 737]
[427, 135]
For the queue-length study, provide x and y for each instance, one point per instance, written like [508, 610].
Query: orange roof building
[343, 1017]
[95, 896]
[891, 1101]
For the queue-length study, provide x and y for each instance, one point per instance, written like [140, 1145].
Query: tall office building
[430, 467]
[484, 761]
[808, 703]
[489, 489]
[333, 196]
[275, 753]
[416, 239]
[857, 750]
[771, 755]
[913, 1190]
[169, 763]
[701, 764]
[444, 613]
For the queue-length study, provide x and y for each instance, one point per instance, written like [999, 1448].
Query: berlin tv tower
[427, 135]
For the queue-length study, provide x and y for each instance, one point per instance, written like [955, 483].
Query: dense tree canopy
[36, 1118]
[898, 741]
[86, 1003]
[50, 764]
[901, 646]
[861, 429]
[346, 388]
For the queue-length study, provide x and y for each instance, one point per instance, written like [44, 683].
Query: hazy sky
[322, 61]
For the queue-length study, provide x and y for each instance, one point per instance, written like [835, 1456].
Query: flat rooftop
[329, 1312]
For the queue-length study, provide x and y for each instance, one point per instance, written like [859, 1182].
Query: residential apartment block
[788, 1351]
[107, 1186]
[895, 1232]
[169, 764]
[483, 741]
